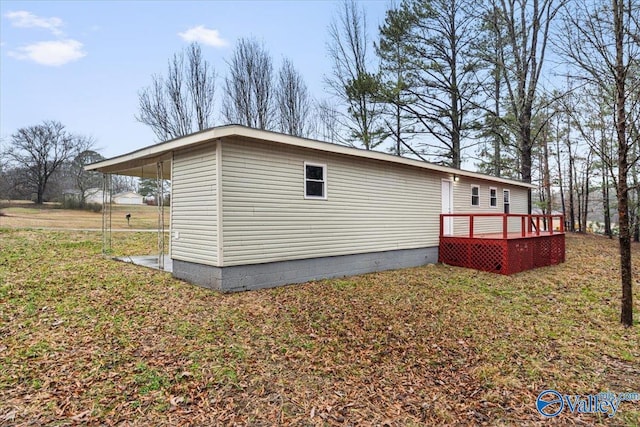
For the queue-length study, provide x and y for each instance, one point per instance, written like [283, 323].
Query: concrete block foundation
[268, 275]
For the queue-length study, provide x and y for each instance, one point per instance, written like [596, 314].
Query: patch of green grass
[226, 375]
[36, 350]
[148, 379]
[341, 285]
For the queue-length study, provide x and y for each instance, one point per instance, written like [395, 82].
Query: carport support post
[106, 213]
[160, 193]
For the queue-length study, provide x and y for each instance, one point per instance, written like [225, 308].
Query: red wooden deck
[504, 251]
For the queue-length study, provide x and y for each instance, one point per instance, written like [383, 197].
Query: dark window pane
[315, 189]
[475, 196]
[314, 172]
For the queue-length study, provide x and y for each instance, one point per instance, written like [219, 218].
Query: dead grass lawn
[93, 341]
[28, 215]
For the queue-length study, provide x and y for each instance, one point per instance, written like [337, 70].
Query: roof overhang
[143, 162]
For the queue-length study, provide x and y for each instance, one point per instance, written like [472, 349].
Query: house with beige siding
[253, 209]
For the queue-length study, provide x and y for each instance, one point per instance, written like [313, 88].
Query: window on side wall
[506, 194]
[493, 197]
[475, 195]
[315, 181]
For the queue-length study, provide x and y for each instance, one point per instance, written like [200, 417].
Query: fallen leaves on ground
[93, 341]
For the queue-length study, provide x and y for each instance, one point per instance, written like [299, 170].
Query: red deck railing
[502, 243]
[530, 225]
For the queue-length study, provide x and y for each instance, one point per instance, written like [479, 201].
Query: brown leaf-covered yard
[87, 340]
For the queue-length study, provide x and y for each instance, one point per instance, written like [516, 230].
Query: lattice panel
[520, 255]
[502, 256]
[488, 255]
[453, 252]
[542, 254]
[557, 251]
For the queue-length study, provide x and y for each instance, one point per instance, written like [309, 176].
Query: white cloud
[25, 19]
[203, 35]
[51, 53]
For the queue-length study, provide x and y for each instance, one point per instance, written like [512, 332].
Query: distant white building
[127, 198]
[93, 195]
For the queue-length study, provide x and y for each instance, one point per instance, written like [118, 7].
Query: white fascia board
[158, 152]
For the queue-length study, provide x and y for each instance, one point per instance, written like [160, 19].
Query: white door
[447, 206]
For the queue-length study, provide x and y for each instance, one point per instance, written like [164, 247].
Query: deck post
[537, 225]
[471, 226]
[441, 225]
[504, 226]
[107, 187]
[523, 225]
[551, 224]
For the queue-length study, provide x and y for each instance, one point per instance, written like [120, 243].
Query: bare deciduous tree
[183, 101]
[5, 188]
[40, 150]
[351, 81]
[249, 87]
[325, 123]
[83, 179]
[522, 38]
[603, 43]
[293, 102]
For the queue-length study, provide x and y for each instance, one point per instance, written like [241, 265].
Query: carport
[154, 165]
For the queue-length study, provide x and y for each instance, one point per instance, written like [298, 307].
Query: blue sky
[84, 62]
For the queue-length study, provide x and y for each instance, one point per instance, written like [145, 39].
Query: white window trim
[324, 182]
[496, 190]
[472, 187]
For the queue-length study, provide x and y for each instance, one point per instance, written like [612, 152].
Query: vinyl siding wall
[371, 205]
[194, 206]
[462, 204]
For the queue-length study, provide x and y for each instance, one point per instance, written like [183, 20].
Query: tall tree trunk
[40, 196]
[626, 315]
[606, 205]
[526, 152]
[585, 194]
[497, 141]
[560, 181]
[579, 186]
[546, 174]
[636, 185]
[398, 127]
[572, 213]
[636, 224]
